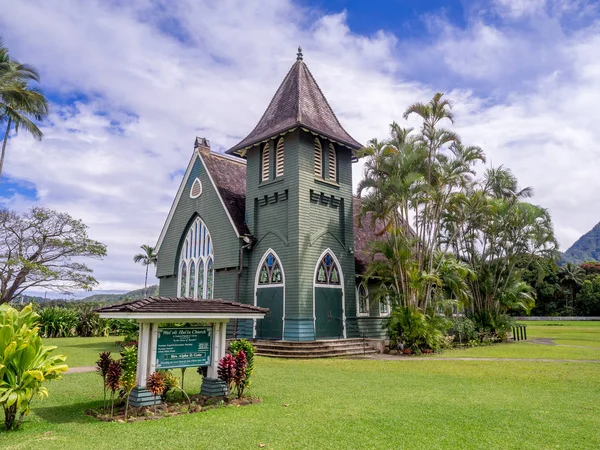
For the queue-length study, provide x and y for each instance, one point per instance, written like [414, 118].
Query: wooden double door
[271, 327]
[329, 322]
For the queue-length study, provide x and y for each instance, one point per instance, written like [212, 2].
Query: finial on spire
[299, 54]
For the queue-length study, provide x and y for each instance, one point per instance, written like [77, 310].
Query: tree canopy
[42, 249]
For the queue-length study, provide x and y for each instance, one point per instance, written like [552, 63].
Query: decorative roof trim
[176, 201]
[241, 152]
[166, 317]
[180, 193]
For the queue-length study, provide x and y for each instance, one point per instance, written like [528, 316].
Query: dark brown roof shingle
[298, 102]
[365, 231]
[181, 305]
[229, 176]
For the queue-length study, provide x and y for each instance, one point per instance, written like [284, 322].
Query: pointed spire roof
[298, 102]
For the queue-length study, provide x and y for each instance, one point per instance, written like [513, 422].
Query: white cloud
[155, 77]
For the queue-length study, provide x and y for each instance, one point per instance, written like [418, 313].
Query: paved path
[386, 357]
[81, 369]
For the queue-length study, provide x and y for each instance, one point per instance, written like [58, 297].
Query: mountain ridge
[586, 248]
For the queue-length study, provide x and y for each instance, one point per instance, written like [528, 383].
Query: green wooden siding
[225, 242]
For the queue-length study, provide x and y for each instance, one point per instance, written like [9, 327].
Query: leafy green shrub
[55, 321]
[496, 324]
[463, 329]
[24, 363]
[241, 344]
[417, 331]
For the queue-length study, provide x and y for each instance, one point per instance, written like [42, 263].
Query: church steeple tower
[299, 210]
[298, 102]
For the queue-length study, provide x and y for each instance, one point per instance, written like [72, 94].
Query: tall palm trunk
[146, 282]
[4, 145]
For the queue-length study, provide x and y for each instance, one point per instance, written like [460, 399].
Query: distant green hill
[113, 298]
[586, 248]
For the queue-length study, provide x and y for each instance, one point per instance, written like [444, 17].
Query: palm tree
[572, 276]
[147, 258]
[20, 103]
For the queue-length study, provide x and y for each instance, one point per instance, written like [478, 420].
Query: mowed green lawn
[343, 403]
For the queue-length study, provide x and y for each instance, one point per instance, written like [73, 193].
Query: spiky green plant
[128, 377]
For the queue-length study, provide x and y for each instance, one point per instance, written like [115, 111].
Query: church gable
[199, 196]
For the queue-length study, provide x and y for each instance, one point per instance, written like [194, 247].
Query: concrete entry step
[314, 349]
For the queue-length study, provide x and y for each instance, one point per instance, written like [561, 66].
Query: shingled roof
[365, 231]
[229, 175]
[298, 102]
[175, 305]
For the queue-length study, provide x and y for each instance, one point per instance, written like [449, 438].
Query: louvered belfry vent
[265, 163]
[332, 163]
[318, 159]
[279, 157]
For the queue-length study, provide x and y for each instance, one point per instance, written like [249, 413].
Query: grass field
[343, 403]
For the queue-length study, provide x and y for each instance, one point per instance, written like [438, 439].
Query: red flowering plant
[240, 372]
[227, 371]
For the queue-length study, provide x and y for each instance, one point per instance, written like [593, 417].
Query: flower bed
[198, 403]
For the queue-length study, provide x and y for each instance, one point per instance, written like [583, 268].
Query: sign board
[183, 347]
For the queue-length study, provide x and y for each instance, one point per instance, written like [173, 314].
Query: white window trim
[387, 302]
[197, 180]
[205, 259]
[358, 313]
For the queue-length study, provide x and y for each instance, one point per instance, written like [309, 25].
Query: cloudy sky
[133, 82]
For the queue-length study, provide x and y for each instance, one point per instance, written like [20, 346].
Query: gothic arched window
[384, 300]
[196, 272]
[265, 159]
[318, 159]
[327, 271]
[270, 271]
[279, 153]
[362, 298]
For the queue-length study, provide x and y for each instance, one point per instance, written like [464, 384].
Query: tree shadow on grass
[71, 413]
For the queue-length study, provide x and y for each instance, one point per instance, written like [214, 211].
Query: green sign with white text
[183, 347]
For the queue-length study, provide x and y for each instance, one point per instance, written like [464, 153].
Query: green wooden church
[273, 223]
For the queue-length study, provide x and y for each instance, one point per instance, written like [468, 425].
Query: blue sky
[133, 83]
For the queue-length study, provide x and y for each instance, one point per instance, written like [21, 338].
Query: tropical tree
[447, 236]
[25, 363]
[21, 104]
[37, 249]
[147, 258]
[572, 277]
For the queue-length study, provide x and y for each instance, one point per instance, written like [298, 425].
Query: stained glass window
[192, 283]
[200, 287]
[210, 278]
[270, 271]
[183, 283]
[328, 271]
[196, 259]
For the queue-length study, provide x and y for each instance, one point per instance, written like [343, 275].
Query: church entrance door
[329, 322]
[271, 327]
